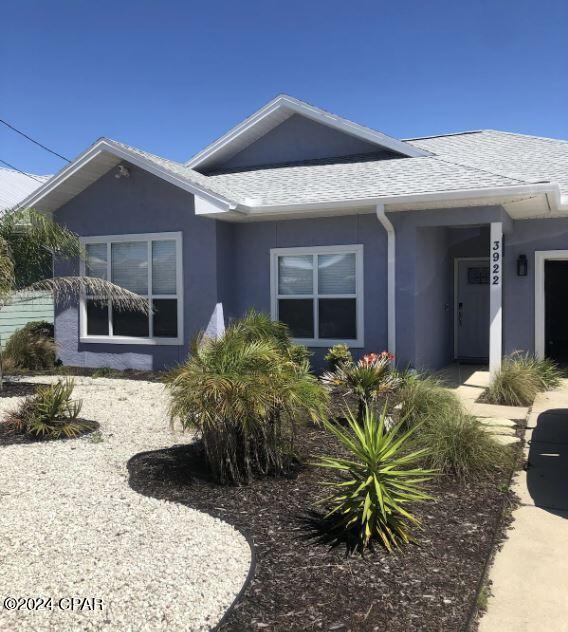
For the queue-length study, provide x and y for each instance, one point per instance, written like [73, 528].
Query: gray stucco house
[437, 248]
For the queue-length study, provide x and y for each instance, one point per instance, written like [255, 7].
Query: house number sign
[496, 255]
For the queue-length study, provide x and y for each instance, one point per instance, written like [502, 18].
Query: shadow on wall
[547, 473]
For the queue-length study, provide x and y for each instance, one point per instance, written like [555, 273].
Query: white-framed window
[149, 264]
[318, 292]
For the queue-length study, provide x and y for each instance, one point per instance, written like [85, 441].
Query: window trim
[357, 250]
[134, 340]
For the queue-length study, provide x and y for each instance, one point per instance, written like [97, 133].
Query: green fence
[35, 306]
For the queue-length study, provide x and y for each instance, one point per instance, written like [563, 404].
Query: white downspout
[391, 276]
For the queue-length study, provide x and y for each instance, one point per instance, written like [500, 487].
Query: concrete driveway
[530, 573]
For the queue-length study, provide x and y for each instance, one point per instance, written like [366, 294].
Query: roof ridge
[479, 169]
[470, 131]
[548, 138]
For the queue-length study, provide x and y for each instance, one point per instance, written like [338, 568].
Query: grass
[521, 377]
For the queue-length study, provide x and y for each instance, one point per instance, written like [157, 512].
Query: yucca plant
[520, 378]
[379, 479]
[367, 380]
[50, 413]
[243, 394]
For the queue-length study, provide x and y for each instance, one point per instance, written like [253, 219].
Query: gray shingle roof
[465, 161]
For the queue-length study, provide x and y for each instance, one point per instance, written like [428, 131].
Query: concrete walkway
[530, 573]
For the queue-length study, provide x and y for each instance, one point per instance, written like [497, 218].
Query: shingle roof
[525, 158]
[15, 186]
[464, 161]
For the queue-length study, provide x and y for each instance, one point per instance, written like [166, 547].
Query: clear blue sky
[170, 76]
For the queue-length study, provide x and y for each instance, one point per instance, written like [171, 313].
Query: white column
[391, 277]
[495, 297]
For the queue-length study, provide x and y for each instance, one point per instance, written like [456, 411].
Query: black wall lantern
[522, 265]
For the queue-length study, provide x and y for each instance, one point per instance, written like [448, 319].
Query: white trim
[540, 258]
[457, 260]
[356, 249]
[287, 104]
[108, 146]
[391, 277]
[495, 297]
[134, 340]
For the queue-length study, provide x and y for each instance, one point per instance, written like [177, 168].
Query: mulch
[18, 389]
[303, 583]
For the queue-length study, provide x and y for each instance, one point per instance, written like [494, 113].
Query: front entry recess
[471, 318]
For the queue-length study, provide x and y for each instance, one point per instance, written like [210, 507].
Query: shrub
[378, 479]
[32, 347]
[368, 380]
[338, 354]
[243, 393]
[521, 377]
[50, 413]
[456, 443]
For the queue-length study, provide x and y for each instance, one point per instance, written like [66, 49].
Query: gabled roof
[15, 186]
[277, 111]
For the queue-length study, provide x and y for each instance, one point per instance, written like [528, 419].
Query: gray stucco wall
[142, 203]
[526, 237]
[251, 265]
[298, 138]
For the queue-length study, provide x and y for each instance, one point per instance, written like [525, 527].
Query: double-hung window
[318, 293]
[149, 265]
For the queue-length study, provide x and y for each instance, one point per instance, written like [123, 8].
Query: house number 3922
[496, 262]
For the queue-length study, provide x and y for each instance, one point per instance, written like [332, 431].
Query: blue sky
[171, 76]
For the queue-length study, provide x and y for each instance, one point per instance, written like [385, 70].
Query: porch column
[495, 297]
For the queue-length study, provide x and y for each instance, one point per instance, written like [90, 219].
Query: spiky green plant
[50, 413]
[29, 241]
[338, 354]
[367, 381]
[379, 479]
[520, 378]
[243, 393]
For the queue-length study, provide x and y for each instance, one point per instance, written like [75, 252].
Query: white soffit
[276, 112]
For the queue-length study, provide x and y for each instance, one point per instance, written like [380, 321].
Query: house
[437, 248]
[14, 187]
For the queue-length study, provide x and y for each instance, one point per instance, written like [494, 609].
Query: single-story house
[14, 187]
[439, 248]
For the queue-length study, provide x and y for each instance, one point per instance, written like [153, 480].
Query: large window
[318, 293]
[147, 264]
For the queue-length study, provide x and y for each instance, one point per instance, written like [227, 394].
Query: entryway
[471, 309]
[555, 310]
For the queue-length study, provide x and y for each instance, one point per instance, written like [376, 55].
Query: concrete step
[497, 422]
[506, 440]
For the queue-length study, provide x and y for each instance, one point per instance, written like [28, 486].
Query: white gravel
[70, 526]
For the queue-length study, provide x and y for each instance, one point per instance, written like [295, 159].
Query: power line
[20, 171]
[34, 141]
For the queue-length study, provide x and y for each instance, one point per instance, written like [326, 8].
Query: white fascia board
[295, 106]
[104, 145]
[549, 189]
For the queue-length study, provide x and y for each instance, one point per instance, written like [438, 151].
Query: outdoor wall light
[522, 265]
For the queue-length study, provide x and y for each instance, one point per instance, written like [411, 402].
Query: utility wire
[19, 170]
[34, 141]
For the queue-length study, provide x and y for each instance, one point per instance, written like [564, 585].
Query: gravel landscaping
[71, 526]
[302, 584]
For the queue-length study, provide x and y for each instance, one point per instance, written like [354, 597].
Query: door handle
[460, 314]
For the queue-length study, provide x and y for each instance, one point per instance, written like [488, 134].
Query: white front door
[471, 320]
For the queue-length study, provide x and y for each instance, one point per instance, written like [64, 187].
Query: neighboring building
[14, 187]
[436, 248]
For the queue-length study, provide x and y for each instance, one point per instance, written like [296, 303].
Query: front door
[556, 307]
[472, 310]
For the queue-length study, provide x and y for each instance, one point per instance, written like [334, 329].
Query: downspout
[391, 276]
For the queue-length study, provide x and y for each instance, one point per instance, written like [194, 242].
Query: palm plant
[367, 380]
[28, 242]
[243, 393]
[379, 478]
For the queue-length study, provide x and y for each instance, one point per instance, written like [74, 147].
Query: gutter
[391, 276]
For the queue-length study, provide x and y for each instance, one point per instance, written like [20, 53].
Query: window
[148, 264]
[318, 293]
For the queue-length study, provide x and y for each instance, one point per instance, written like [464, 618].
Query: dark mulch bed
[302, 584]
[18, 389]
[9, 437]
